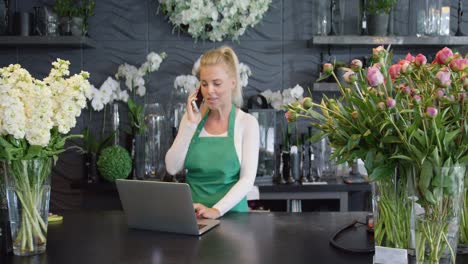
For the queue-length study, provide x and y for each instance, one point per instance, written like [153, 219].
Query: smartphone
[198, 101]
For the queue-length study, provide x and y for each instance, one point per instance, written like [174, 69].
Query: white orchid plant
[135, 80]
[279, 99]
[214, 20]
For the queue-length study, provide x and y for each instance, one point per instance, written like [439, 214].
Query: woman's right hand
[192, 115]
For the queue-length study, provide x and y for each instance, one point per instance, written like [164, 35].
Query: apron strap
[232, 120]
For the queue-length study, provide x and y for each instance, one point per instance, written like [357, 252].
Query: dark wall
[126, 30]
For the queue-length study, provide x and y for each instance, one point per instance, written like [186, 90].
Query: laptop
[161, 206]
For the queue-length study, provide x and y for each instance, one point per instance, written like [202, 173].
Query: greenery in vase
[464, 217]
[35, 116]
[380, 6]
[405, 115]
[84, 10]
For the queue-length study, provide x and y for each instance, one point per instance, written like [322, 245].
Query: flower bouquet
[407, 122]
[35, 115]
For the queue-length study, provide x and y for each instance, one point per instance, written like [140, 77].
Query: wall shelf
[47, 41]
[348, 40]
[326, 87]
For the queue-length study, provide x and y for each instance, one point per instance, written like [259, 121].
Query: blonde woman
[219, 144]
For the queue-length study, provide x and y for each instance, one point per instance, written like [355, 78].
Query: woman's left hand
[202, 211]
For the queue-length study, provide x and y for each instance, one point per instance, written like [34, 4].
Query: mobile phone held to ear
[198, 101]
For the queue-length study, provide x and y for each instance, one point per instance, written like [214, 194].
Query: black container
[23, 23]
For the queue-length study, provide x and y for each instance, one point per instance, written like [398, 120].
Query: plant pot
[28, 194]
[76, 26]
[378, 24]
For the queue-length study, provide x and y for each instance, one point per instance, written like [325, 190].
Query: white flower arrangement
[279, 99]
[214, 20]
[110, 90]
[31, 109]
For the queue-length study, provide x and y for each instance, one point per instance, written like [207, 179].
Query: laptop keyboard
[200, 226]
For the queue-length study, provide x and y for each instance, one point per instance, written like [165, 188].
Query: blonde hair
[226, 55]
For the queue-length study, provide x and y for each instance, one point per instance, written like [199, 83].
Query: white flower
[267, 94]
[141, 90]
[186, 82]
[244, 73]
[276, 100]
[226, 18]
[297, 92]
[287, 96]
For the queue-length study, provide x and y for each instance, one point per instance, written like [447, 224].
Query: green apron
[213, 166]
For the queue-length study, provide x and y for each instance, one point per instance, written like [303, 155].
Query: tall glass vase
[392, 210]
[437, 224]
[28, 194]
[157, 135]
[463, 246]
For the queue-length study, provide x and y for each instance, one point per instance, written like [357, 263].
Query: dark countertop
[333, 185]
[103, 237]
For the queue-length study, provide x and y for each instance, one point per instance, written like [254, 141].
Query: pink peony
[417, 98]
[431, 111]
[444, 56]
[349, 76]
[381, 105]
[420, 59]
[356, 65]
[440, 93]
[465, 81]
[391, 102]
[443, 78]
[394, 71]
[378, 53]
[290, 116]
[410, 57]
[458, 65]
[327, 68]
[374, 76]
[405, 66]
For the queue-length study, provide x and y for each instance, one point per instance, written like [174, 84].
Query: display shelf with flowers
[407, 122]
[35, 116]
[214, 20]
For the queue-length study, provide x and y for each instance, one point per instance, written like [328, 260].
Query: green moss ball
[114, 163]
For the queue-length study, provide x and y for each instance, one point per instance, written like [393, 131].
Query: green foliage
[136, 116]
[380, 6]
[114, 163]
[64, 8]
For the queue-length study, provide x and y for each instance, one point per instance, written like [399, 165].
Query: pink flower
[349, 77]
[443, 78]
[394, 71]
[431, 111]
[391, 102]
[417, 98]
[405, 90]
[290, 116]
[420, 60]
[410, 57]
[381, 105]
[374, 76]
[378, 53]
[307, 103]
[444, 56]
[327, 68]
[440, 93]
[356, 65]
[405, 66]
[465, 81]
[462, 97]
[458, 65]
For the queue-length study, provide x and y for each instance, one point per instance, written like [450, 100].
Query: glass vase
[28, 195]
[437, 224]
[157, 134]
[463, 239]
[392, 210]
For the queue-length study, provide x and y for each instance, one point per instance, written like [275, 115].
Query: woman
[219, 144]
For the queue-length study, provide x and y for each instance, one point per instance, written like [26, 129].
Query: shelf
[47, 41]
[326, 87]
[396, 40]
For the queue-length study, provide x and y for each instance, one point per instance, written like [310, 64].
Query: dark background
[277, 51]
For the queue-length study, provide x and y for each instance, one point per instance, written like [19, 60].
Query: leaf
[402, 157]
[33, 151]
[323, 77]
[380, 173]
[425, 175]
[391, 139]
